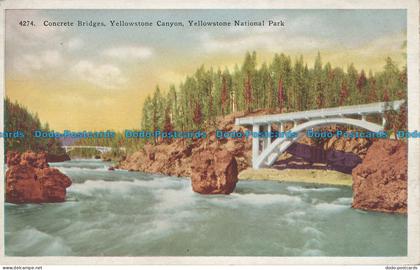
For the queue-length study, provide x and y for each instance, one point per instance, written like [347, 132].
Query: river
[120, 213]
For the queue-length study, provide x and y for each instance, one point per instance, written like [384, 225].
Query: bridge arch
[101, 149]
[270, 154]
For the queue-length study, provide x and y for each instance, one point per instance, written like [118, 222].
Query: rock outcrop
[175, 157]
[380, 181]
[213, 172]
[29, 179]
[57, 158]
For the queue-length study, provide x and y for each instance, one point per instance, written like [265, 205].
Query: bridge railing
[99, 148]
[378, 107]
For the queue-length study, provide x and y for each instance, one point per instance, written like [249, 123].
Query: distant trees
[18, 118]
[282, 85]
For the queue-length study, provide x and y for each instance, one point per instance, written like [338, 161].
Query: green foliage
[84, 153]
[282, 86]
[17, 117]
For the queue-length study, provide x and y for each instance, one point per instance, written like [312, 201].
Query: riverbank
[327, 177]
[121, 213]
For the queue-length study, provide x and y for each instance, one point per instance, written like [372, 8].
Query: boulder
[380, 181]
[29, 179]
[213, 171]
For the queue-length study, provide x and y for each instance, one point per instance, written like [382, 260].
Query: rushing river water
[120, 213]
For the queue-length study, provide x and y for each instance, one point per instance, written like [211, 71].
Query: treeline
[18, 118]
[280, 86]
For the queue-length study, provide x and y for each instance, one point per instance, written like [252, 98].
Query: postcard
[210, 133]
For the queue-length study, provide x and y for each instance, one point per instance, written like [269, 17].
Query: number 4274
[26, 23]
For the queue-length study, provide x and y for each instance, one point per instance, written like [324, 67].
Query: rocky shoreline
[376, 169]
[352, 157]
[380, 181]
[313, 176]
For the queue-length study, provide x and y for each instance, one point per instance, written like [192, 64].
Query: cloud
[35, 62]
[129, 52]
[263, 41]
[390, 44]
[18, 36]
[106, 76]
[75, 44]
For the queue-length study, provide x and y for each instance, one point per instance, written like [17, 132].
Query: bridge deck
[378, 107]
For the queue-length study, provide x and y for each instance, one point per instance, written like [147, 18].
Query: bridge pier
[266, 140]
[383, 120]
[255, 146]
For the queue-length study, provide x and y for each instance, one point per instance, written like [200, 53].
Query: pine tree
[198, 116]
[352, 77]
[320, 100]
[372, 96]
[318, 85]
[224, 95]
[280, 95]
[249, 70]
[168, 127]
[386, 96]
[361, 82]
[248, 93]
[344, 93]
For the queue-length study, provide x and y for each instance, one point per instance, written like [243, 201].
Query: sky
[96, 78]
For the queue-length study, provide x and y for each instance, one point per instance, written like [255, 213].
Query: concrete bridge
[101, 149]
[266, 153]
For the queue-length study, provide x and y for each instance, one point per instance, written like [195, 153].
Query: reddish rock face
[29, 179]
[214, 172]
[57, 158]
[380, 181]
[174, 158]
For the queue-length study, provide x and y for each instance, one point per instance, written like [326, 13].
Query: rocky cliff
[57, 158]
[380, 181]
[174, 157]
[29, 179]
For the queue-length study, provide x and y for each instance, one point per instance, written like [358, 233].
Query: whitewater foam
[344, 201]
[331, 207]
[81, 169]
[31, 239]
[311, 189]
[90, 186]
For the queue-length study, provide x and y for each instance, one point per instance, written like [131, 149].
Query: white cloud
[129, 52]
[392, 43]
[75, 44]
[23, 37]
[103, 75]
[271, 42]
[35, 62]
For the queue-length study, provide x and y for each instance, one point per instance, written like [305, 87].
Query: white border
[412, 7]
